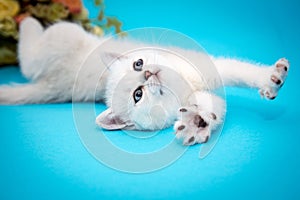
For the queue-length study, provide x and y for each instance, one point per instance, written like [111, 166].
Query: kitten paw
[277, 79]
[193, 126]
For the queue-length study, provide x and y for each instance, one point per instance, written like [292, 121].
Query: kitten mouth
[154, 84]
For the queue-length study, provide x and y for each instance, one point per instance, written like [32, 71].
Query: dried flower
[8, 8]
[51, 13]
[114, 22]
[83, 15]
[8, 55]
[96, 30]
[74, 6]
[8, 27]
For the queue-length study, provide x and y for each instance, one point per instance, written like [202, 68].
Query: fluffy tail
[26, 94]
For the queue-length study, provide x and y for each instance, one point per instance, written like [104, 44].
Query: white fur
[65, 63]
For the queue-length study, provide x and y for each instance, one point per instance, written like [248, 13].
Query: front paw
[193, 125]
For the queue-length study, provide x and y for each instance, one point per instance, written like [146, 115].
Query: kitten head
[143, 91]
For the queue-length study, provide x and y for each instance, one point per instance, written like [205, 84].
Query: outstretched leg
[268, 79]
[30, 32]
[195, 122]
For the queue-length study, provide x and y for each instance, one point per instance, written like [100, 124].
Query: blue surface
[257, 156]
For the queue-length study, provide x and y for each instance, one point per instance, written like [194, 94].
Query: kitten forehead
[149, 56]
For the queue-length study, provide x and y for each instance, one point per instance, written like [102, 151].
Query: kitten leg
[28, 94]
[30, 32]
[196, 122]
[268, 79]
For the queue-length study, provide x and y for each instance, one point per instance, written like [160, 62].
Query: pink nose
[148, 74]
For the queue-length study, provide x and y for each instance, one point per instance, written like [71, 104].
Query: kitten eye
[138, 65]
[137, 94]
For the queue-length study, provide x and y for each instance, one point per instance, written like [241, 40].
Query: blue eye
[138, 65]
[138, 94]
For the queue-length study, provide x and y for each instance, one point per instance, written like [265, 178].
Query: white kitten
[147, 89]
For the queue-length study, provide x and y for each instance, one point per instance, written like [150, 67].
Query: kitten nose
[148, 74]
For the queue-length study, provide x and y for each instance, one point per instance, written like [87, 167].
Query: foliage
[48, 12]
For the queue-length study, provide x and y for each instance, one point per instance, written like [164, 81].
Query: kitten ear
[108, 58]
[108, 120]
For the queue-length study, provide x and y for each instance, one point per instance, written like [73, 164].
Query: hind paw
[276, 79]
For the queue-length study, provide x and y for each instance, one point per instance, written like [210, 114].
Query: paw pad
[277, 79]
[282, 64]
[199, 121]
[193, 125]
[191, 140]
[180, 128]
[182, 110]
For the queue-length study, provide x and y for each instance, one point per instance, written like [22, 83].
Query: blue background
[256, 157]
